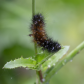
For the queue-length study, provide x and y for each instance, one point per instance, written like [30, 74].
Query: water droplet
[56, 73]
[54, 64]
[65, 60]
[43, 79]
[47, 83]
[27, 69]
[57, 61]
[49, 59]
[11, 77]
[45, 75]
[41, 51]
[63, 63]
[30, 57]
[70, 60]
[49, 66]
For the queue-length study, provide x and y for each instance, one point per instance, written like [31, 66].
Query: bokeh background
[64, 23]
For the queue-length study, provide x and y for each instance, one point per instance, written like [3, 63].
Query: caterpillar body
[40, 36]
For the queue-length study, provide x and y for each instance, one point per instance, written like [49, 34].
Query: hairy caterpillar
[40, 37]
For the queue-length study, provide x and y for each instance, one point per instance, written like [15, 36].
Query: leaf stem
[69, 57]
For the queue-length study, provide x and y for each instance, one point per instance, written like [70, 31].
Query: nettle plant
[48, 58]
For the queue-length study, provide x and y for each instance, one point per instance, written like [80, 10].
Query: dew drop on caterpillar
[40, 36]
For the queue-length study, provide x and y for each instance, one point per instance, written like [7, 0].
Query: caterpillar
[40, 36]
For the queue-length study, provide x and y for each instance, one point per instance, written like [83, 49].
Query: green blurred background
[64, 23]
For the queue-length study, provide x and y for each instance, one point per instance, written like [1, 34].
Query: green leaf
[54, 59]
[21, 62]
[49, 72]
[42, 57]
[52, 62]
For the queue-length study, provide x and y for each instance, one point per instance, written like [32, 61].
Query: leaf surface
[21, 62]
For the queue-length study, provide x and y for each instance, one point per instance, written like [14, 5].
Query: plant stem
[39, 76]
[65, 60]
[33, 8]
[35, 45]
[33, 13]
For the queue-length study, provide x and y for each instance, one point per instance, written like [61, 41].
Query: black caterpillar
[40, 37]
